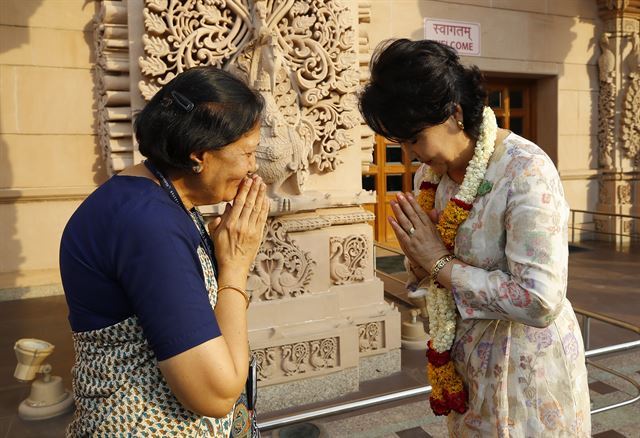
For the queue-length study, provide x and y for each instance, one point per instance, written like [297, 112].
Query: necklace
[448, 392]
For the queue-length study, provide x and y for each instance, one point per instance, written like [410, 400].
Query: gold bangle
[439, 264]
[237, 289]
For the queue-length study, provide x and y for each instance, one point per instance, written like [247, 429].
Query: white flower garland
[440, 303]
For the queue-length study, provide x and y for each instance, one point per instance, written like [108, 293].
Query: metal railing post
[586, 331]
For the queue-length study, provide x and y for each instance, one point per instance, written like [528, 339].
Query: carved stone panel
[112, 89]
[624, 193]
[303, 54]
[606, 102]
[601, 225]
[300, 358]
[281, 268]
[371, 336]
[630, 115]
[348, 258]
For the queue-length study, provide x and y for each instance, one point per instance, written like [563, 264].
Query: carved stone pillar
[619, 118]
[318, 322]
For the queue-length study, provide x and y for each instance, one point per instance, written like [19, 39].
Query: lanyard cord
[168, 187]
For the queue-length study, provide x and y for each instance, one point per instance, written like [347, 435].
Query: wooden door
[391, 172]
[512, 100]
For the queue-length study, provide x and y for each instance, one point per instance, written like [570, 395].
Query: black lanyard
[168, 187]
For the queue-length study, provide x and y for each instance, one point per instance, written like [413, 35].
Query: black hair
[417, 84]
[203, 108]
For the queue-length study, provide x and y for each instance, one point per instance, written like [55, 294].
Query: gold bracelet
[237, 289]
[439, 264]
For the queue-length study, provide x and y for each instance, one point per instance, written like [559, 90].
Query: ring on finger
[411, 231]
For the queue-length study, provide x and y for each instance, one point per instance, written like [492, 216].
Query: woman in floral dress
[486, 238]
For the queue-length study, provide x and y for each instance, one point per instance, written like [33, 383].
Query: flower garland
[448, 392]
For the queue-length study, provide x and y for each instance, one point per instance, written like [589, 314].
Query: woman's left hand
[416, 232]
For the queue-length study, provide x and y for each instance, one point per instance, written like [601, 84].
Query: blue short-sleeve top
[129, 250]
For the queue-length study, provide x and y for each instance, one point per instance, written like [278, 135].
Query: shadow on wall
[16, 15]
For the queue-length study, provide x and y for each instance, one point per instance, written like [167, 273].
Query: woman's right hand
[237, 234]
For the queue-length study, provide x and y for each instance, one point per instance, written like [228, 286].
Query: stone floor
[601, 279]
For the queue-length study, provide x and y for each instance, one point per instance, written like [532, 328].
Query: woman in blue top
[157, 305]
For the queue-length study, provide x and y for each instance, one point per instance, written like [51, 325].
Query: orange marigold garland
[448, 393]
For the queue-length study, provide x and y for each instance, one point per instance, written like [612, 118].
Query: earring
[460, 124]
[197, 168]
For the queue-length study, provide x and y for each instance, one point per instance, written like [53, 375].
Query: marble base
[317, 389]
[22, 293]
[380, 365]
[302, 392]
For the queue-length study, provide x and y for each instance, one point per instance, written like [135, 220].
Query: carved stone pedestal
[319, 322]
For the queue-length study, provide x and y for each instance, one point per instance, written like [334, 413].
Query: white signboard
[460, 35]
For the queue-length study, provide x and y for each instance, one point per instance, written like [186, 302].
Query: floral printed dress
[518, 345]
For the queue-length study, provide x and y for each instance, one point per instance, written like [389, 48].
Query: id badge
[252, 384]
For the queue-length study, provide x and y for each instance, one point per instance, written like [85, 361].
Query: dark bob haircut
[203, 108]
[417, 84]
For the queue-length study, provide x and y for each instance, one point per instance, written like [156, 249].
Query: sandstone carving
[313, 40]
[371, 336]
[624, 193]
[281, 269]
[606, 103]
[630, 115]
[603, 193]
[113, 99]
[286, 361]
[348, 258]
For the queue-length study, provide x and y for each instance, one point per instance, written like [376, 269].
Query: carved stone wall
[318, 311]
[607, 102]
[619, 119]
[631, 116]
[113, 96]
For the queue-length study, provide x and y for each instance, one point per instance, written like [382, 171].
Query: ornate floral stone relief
[371, 336]
[289, 360]
[302, 54]
[281, 269]
[603, 192]
[607, 102]
[348, 258]
[630, 115]
[183, 34]
[624, 193]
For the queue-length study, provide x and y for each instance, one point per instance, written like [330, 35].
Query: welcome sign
[462, 36]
